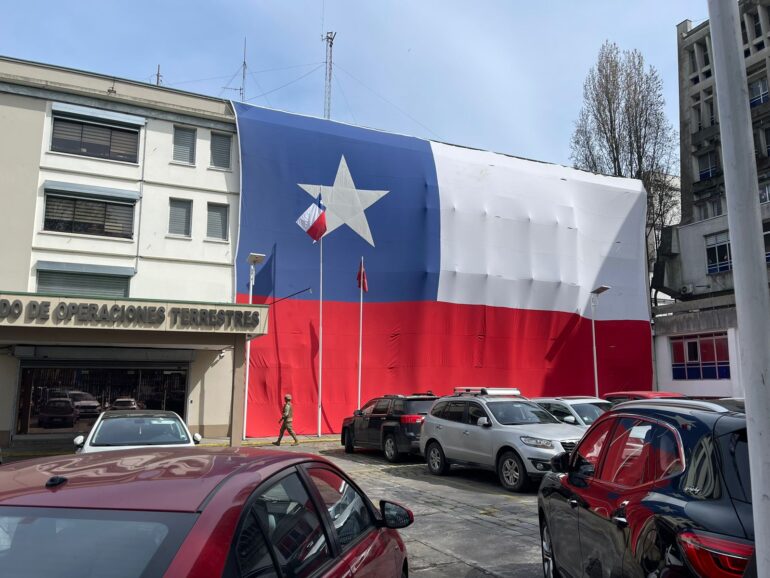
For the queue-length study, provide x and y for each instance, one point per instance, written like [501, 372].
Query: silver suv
[494, 429]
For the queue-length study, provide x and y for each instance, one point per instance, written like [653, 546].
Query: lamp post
[594, 301]
[253, 259]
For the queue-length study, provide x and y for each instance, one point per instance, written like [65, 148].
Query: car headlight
[537, 442]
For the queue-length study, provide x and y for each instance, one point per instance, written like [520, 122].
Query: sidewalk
[44, 446]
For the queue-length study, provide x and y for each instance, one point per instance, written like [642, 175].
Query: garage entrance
[45, 388]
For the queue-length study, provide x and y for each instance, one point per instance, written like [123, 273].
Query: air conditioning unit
[686, 289]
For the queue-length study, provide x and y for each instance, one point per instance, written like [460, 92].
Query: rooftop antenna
[158, 77]
[243, 73]
[329, 38]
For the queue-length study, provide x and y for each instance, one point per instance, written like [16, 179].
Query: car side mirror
[483, 422]
[560, 463]
[394, 515]
[79, 441]
[197, 438]
[570, 419]
[358, 413]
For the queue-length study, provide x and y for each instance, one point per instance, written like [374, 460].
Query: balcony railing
[759, 99]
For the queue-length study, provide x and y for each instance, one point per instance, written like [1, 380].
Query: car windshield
[519, 413]
[140, 431]
[123, 403]
[81, 397]
[419, 406]
[59, 403]
[588, 412]
[73, 543]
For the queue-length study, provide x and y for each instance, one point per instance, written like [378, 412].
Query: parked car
[124, 403]
[119, 430]
[193, 513]
[621, 396]
[390, 423]
[656, 487]
[497, 430]
[57, 412]
[577, 410]
[86, 404]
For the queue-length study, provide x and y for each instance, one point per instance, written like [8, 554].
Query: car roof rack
[509, 391]
[713, 406]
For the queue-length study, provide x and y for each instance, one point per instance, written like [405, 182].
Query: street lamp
[594, 301]
[253, 259]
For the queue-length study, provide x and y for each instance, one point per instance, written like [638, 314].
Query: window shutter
[96, 141]
[216, 226]
[66, 136]
[184, 145]
[59, 214]
[124, 145]
[220, 150]
[180, 217]
[82, 284]
[119, 221]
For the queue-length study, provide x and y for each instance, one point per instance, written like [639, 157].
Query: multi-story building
[118, 230]
[696, 339]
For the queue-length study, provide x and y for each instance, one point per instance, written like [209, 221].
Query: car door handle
[466, 433]
[620, 521]
[572, 502]
[439, 427]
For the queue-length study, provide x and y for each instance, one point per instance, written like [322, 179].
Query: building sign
[30, 310]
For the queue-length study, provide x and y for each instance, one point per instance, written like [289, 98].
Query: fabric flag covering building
[482, 267]
[361, 277]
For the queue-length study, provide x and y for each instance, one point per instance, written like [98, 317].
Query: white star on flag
[345, 204]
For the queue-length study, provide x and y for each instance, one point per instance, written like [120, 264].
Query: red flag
[361, 277]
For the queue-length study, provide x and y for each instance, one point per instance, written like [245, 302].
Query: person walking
[286, 419]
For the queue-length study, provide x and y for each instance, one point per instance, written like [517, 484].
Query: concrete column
[239, 390]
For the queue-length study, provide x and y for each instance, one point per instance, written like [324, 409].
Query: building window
[744, 36]
[180, 217]
[710, 112]
[703, 356]
[715, 207]
[216, 224]
[88, 216]
[707, 165]
[693, 62]
[764, 192]
[705, 49]
[758, 91]
[703, 211]
[757, 25]
[220, 150]
[696, 117]
[766, 235]
[94, 139]
[82, 284]
[718, 253]
[184, 145]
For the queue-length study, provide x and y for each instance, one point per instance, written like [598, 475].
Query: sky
[501, 75]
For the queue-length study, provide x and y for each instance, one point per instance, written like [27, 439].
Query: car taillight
[715, 557]
[411, 419]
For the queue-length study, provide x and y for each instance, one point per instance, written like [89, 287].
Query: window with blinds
[220, 150]
[180, 217]
[67, 214]
[93, 139]
[82, 284]
[184, 145]
[216, 224]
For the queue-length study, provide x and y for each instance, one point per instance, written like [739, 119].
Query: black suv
[655, 488]
[390, 423]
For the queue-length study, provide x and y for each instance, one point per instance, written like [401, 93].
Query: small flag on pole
[362, 284]
[313, 222]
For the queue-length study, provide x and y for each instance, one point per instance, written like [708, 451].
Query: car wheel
[437, 464]
[546, 549]
[349, 447]
[511, 471]
[390, 448]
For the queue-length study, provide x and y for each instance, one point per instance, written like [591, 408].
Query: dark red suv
[193, 513]
[657, 487]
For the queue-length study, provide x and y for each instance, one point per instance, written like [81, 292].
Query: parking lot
[465, 523]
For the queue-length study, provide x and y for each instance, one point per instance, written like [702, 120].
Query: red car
[199, 512]
[620, 396]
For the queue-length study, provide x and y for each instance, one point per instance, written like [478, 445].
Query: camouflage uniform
[287, 417]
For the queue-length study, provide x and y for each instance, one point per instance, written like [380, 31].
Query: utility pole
[328, 91]
[752, 301]
[158, 77]
[243, 74]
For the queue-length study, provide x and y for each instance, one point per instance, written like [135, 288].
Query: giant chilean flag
[480, 267]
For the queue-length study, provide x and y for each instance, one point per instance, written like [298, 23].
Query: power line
[287, 84]
[227, 85]
[391, 103]
[345, 98]
[196, 80]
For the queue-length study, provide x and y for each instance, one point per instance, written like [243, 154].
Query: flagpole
[320, 332]
[360, 329]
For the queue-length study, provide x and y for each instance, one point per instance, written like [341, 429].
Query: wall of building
[209, 395]
[711, 387]
[22, 120]
[9, 374]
